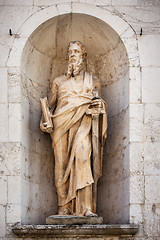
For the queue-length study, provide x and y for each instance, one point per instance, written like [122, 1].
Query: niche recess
[43, 59]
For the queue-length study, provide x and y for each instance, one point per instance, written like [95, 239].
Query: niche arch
[38, 60]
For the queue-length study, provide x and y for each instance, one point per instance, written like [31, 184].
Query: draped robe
[71, 137]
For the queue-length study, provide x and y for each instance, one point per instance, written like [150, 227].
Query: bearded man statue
[76, 119]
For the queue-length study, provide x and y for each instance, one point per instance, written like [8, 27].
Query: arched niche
[43, 59]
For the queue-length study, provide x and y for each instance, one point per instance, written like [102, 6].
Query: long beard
[74, 69]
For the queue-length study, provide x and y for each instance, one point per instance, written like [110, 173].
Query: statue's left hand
[96, 103]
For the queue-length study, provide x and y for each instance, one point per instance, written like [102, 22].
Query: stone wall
[126, 37]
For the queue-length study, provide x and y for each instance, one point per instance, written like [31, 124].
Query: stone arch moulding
[121, 27]
[123, 30]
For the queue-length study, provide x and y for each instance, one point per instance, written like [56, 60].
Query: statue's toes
[88, 213]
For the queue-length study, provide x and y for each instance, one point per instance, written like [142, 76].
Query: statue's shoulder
[92, 76]
[96, 82]
[59, 79]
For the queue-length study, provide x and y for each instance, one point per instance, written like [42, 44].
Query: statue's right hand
[45, 127]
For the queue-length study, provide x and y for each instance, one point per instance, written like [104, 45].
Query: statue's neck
[78, 77]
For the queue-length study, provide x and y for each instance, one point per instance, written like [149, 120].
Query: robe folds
[72, 136]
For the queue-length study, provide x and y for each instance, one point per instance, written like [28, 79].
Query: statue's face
[75, 53]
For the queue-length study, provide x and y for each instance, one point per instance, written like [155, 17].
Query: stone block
[150, 85]
[14, 189]
[48, 2]
[94, 11]
[98, 231]
[135, 85]
[100, 2]
[13, 213]
[152, 123]
[136, 213]
[19, 3]
[124, 2]
[3, 86]
[2, 221]
[152, 132]
[4, 52]
[2, 2]
[16, 16]
[3, 188]
[73, 220]
[136, 188]
[152, 158]
[120, 26]
[16, 52]
[14, 81]
[4, 123]
[14, 122]
[136, 122]
[132, 50]
[129, 33]
[136, 157]
[145, 14]
[151, 113]
[41, 15]
[64, 8]
[151, 221]
[152, 186]
[149, 50]
[10, 158]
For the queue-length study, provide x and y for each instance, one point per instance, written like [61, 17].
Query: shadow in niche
[43, 59]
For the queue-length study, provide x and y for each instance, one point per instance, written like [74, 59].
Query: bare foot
[64, 212]
[88, 213]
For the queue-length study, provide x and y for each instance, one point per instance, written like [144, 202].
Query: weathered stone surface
[19, 3]
[70, 220]
[13, 197]
[4, 122]
[2, 221]
[137, 188]
[3, 187]
[135, 85]
[152, 220]
[9, 159]
[136, 157]
[143, 54]
[136, 213]
[14, 88]
[14, 122]
[88, 231]
[13, 213]
[144, 14]
[3, 86]
[149, 40]
[136, 122]
[150, 84]
[151, 193]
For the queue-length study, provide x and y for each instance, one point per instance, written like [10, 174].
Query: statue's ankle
[89, 213]
[64, 211]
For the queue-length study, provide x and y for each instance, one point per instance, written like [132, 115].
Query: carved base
[70, 220]
[75, 231]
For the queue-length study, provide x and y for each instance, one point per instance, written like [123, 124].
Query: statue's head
[76, 54]
[76, 48]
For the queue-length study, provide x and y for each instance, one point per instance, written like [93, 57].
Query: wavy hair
[84, 53]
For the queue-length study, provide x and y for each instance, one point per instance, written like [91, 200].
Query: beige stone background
[128, 65]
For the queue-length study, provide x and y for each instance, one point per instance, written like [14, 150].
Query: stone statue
[75, 116]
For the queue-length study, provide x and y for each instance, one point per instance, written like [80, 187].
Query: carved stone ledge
[68, 231]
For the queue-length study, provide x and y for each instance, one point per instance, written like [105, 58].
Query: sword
[97, 148]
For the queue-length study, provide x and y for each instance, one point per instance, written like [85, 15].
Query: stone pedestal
[70, 220]
[98, 231]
